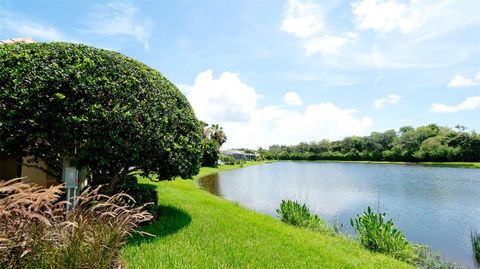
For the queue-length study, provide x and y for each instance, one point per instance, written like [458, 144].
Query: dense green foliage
[104, 110]
[199, 230]
[227, 159]
[296, 214]
[141, 194]
[425, 143]
[213, 138]
[475, 238]
[210, 152]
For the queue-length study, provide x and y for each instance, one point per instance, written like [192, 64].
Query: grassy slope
[199, 230]
[453, 164]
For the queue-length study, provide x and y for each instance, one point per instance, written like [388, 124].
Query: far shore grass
[199, 230]
[439, 164]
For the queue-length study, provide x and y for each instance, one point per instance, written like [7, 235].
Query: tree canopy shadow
[148, 186]
[171, 220]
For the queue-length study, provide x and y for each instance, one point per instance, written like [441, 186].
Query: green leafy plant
[227, 159]
[475, 239]
[379, 235]
[296, 214]
[213, 138]
[36, 232]
[210, 152]
[101, 109]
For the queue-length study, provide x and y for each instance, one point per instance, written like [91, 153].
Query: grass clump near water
[199, 230]
[296, 214]
[379, 235]
[475, 238]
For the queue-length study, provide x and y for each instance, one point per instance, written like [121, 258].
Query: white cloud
[469, 104]
[25, 27]
[405, 34]
[233, 104]
[391, 99]
[302, 19]
[328, 44]
[226, 99]
[120, 19]
[461, 81]
[292, 98]
[385, 16]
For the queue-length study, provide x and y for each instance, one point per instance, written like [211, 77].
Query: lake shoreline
[340, 189]
[473, 165]
[200, 230]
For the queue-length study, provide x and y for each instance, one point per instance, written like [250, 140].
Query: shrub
[210, 152]
[293, 213]
[141, 194]
[213, 138]
[35, 231]
[475, 238]
[144, 196]
[378, 235]
[227, 159]
[103, 110]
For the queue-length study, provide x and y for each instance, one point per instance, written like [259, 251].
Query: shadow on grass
[171, 220]
[148, 186]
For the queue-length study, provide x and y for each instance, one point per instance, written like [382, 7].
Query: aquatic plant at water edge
[475, 238]
[36, 232]
[429, 259]
[296, 214]
[379, 235]
[376, 234]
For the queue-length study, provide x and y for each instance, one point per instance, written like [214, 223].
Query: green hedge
[105, 110]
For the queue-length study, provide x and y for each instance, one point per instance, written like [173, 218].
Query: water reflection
[211, 184]
[433, 205]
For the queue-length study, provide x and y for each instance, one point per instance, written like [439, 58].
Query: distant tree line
[425, 143]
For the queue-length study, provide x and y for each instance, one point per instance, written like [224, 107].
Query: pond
[437, 206]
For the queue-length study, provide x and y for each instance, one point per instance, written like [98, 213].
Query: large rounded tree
[102, 109]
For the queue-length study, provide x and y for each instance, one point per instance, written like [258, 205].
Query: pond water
[436, 206]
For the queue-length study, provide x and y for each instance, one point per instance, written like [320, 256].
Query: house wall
[8, 168]
[37, 175]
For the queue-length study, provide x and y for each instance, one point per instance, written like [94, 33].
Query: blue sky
[287, 71]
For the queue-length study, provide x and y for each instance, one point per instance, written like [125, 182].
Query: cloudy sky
[282, 72]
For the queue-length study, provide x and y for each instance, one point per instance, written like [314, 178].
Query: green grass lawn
[453, 164]
[199, 230]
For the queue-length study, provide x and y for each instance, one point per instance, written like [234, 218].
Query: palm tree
[218, 134]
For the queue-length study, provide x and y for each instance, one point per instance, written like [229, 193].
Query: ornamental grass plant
[37, 232]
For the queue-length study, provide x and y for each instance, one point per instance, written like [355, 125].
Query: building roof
[232, 151]
[17, 40]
